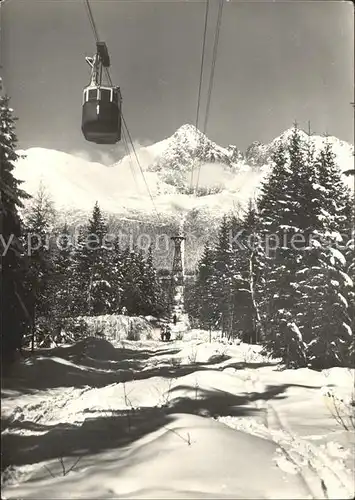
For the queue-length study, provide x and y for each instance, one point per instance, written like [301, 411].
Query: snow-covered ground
[191, 418]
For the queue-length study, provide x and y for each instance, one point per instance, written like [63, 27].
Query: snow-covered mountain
[75, 183]
[227, 179]
[260, 154]
[186, 145]
[177, 158]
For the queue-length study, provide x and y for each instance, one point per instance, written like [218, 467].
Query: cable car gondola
[101, 113]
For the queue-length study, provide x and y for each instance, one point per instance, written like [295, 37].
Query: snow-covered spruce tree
[116, 263]
[238, 315]
[222, 292]
[325, 287]
[303, 296]
[61, 324]
[81, 273]
[15, 318]
[323, 309]
[224, 269]
[205, 308]
[63, 275]
[336, 204]
[284, 213]
[96, 254]
[144, 287]
[39, 223]
[245, 276]
[349, 279]
[132, 282]
[152, 293]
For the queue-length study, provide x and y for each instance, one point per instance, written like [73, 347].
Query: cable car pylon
[177, 278]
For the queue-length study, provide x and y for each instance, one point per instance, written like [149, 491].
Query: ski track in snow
[320, 472]
[271, 428]
[322, 476]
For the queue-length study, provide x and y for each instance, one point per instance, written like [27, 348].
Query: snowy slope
[185, 419]
[76, 183]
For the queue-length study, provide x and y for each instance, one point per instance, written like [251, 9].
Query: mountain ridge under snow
[227, 176]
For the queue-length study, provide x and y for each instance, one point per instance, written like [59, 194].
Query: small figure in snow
[167, 333]
[174, 319]
[162, 333]
[124, 310]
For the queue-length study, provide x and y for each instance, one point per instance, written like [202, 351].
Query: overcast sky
[277, 62]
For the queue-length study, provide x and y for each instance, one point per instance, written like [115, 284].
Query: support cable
[211, 81]
[200, 86]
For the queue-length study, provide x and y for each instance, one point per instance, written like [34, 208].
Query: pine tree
[275, 202]
[224, 276]
[132, 282]
[97, 226]
[39, 222]
[349, 281]
[236, 314]
[63, 275]
[97, 257]
[222, 295]
[15, 317]
[81, 273]
[336, 206]
[92, 269]
[323, 309]
[250, 218]
[245, 277]
[151, 289]
[303, 294]
[205, 304]
[117, 279]
[285, 211]
[326, 288]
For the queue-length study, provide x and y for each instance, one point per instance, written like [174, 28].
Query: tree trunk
[89, 293]
[257, 321]
[33, 330]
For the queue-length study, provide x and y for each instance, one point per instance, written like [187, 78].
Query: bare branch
[50, 472]
[62, 464]
[74, 465]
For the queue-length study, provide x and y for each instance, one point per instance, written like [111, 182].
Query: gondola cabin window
[91, 95]
[114, 95]
[105, 95]
[100, 94]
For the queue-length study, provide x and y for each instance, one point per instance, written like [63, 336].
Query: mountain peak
[188, 128]
[181, 151]
[189, 135]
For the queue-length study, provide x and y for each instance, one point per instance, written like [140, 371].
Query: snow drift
[185, 419]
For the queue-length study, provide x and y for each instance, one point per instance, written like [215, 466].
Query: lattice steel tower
[177, 278]
[177, 272]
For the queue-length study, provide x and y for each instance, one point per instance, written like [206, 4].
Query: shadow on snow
[119, 428]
